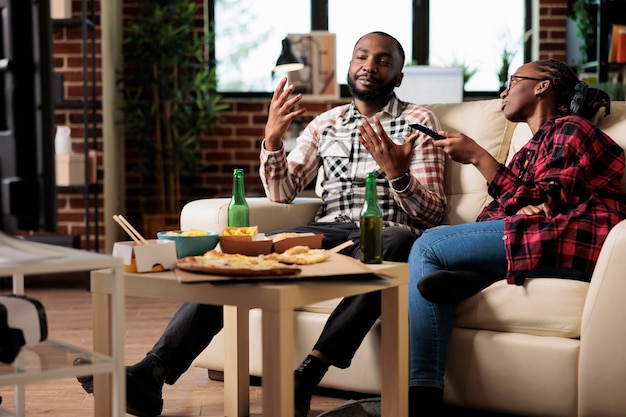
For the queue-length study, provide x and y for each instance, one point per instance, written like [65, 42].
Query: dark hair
[386, 35]
[572, 95]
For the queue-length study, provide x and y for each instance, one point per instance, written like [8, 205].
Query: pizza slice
[299, 255]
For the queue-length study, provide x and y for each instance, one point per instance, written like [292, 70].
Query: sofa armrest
[602, 366]
[212, 213]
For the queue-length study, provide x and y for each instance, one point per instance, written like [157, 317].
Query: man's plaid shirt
[576, 169]
[331, 141]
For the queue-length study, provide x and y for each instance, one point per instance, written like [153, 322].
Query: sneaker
[306, 377]
[143, 395]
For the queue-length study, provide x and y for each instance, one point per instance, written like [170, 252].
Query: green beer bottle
[371, 224]
[238, 210]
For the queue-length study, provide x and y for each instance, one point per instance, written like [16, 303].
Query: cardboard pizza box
[313, 241]
[246, 247]
[244, 241]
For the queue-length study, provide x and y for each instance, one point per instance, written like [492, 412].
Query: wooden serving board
[337, 267]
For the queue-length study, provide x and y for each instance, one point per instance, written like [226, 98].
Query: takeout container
[157, 255]
[190, 244]
[313, 241]
[258, 244]
[249, 242]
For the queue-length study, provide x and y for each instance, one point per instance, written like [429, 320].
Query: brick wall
[552, 39]
[234, 144]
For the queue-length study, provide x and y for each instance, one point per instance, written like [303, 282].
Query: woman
[552, 208]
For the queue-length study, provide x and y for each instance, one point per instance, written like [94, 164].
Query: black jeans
[193, 326]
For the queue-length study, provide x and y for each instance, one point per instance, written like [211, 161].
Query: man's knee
[397, 242]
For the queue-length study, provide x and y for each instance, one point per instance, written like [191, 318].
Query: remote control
[426, 130]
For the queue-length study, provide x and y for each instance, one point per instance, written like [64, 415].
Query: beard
[370, 95]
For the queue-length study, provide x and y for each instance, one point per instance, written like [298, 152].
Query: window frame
[420, 50]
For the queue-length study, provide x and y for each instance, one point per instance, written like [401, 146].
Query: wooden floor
[68, 309]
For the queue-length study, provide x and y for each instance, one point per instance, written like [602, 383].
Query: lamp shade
[288, 59]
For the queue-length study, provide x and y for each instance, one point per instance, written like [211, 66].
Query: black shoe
[425, 402]
[143, 391]
[86, 381]
[144, 397]
[306, 378]
[453, 286]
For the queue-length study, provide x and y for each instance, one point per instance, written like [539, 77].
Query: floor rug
[368, 407]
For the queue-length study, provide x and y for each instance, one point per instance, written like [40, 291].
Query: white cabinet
[53, 359]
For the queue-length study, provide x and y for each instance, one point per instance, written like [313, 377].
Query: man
[370, 133]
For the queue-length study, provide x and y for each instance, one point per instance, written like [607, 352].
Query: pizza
[217, 263]
[299, 255]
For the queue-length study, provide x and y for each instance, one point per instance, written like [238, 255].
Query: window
[349, 21]
[457, 38]
[248, 35]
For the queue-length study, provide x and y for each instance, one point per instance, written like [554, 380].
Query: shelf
[75, 104]
[52, 359]
[86, 23]
[93, 187]
[72, 23]
[609, 12]
[71, 260]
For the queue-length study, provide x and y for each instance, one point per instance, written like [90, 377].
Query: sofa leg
[255, 381]
[216, 375]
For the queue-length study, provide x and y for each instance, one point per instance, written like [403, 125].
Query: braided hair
[572, 95]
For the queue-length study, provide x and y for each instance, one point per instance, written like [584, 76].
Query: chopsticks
[341, 246]
[128, 228]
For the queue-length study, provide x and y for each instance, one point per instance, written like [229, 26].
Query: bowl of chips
[193, 242]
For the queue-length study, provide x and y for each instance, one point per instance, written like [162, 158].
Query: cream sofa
[549, 348]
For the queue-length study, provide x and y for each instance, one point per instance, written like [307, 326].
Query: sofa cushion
[542, 307]
[484, 122]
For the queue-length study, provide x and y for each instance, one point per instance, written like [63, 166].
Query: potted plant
[168, 99]
[583, 13]
[468, 71]
[506, 57]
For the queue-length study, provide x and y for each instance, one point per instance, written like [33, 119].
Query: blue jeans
[471, 247]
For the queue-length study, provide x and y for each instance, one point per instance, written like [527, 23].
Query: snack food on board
[218, 263]
[299, 255]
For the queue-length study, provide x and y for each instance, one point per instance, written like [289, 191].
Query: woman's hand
[460, 147]
[392, 158]
[281, 114]
[465, 150]
[532, 210]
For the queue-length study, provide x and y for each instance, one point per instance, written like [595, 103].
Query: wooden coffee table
[277, 302]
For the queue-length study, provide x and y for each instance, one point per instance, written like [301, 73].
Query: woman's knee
[424, 241]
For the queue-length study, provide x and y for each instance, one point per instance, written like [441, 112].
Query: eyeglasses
[515, 78]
